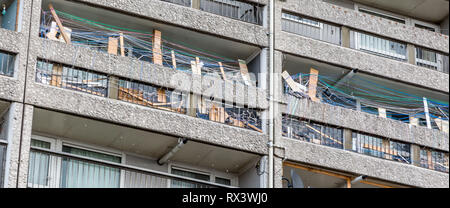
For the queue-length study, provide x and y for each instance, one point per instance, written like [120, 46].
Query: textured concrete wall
[14, 143]
[359, 164]
[367, 123]
[164, 122]
[353, 19]
[16, 43]
[143, 71]
[189, 18]
[368, 63]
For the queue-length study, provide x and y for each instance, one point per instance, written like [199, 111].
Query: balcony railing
[139, 45]
[148, 95]
[71, 78]
[51, 169]
[434, 160]
[313, 132]
[381, 148]
[240, 10]
[311, 28]
[320, 134]
[373, 44]
[7, 64]
[367, 96]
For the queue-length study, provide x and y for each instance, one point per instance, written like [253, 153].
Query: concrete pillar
[25, 147]
[113, 87]
[415, 155]
[345, 35]
[278, 172]
[411, 51]
[348, 139]
[196, 4]
[18, 148]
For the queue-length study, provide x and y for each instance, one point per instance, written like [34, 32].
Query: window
[8, 14]
[38, 171]
[195, 175]
[425, 27]
[7, 63]
[2, 163]
[80, 174]
[382, 15]
[51, 171]
[223, 181]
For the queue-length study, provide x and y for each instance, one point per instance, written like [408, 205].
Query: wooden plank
[375, 184]
[122, 45]
[244, 72]
[224, 76]
[312, 88]
[442, 125]
[54, 30]
[56, 75]
[296, 87]
[292, 165]
[382, 113]
[58, 21]
[17, 16]
[414, 121]
[157, 51]
[162, 98]
[113, 44]
[430, 160]
[174, 60]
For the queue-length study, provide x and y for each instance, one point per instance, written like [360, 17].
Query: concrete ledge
[368, 123]
[368, 23]
[12, 41]
[11, 89]
[145, 118]
[189, 18]
[338, 159]
[146, 72]
[372, 64]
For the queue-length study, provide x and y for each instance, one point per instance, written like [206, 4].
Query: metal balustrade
[381, 148]
[244, 11]
[7, 64]
[313, 132]
[51, 169]
[432, 60]
[378, 46]
[311, 28]
[71, 78]
[434, 160]
[152, 96]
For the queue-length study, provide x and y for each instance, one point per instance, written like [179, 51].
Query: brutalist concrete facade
[25, 94]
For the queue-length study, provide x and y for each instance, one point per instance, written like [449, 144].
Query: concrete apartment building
[224, 93]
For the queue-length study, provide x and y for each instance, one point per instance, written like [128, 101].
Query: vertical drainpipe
[271, 90]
